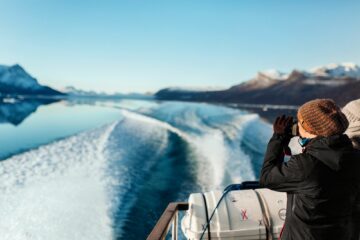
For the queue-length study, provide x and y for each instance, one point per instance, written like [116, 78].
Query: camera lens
[294, 129]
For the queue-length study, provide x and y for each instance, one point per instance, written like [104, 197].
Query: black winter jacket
[321, 185]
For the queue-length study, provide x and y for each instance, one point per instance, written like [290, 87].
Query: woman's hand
[282, 124]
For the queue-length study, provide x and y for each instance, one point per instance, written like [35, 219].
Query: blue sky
[138, 45]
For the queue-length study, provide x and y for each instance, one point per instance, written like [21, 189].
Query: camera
[294, 129]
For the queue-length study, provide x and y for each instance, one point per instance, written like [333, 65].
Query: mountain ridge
[75, 92]
[14, 80]
[297, 87]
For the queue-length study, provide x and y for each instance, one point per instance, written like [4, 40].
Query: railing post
[169, 216]
[175, 226]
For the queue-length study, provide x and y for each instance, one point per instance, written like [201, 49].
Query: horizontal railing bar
[162, 226]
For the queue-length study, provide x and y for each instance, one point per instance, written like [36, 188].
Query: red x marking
[243, 215]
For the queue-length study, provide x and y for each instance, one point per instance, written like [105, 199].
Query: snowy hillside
[272, 74]
[17, 77]
[274, 87]
[72, 91]
[337, 70]
[15, 80]
[75, 92]
[195, 89]
[342, 70]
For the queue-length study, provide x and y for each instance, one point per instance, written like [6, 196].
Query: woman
[352, 113]
[321, 182]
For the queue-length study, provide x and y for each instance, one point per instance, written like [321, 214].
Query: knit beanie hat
[322, 117]
[352, 112]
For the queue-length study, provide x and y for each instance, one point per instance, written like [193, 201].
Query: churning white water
[89, 185]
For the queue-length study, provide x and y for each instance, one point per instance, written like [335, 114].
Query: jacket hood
[330, 150]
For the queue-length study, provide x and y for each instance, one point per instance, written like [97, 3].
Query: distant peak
[297, 75]
[196, 88]
[347, 69]
[17, 67]
[332, 70]
[346, 66]
[70, 88]
[272, 74]
[12, 67]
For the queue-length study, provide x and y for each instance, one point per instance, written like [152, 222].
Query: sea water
[107, 170]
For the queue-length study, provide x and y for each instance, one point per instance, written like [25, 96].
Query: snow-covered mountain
[272, 74]
[15, 80]
[263, 79]
[17, 77]
[75, 92]
[195, 89]
[333, 70]
[331, 75]
[338, 81]
[72, 91]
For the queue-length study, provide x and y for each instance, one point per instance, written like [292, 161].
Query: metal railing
[170, 217]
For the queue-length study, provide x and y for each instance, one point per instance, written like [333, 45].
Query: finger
[291, 120]
[288, 121]
[282, 120]
[277, 121]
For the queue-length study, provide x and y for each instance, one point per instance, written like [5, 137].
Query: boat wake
[102, 183]
[56, 190]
